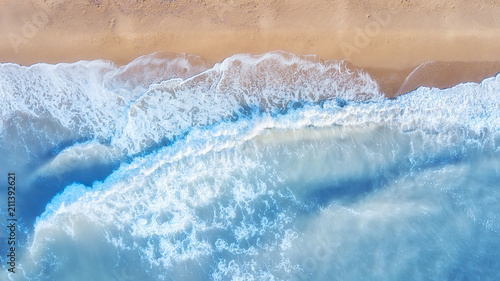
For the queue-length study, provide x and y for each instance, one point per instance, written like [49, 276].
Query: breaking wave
[272, 167]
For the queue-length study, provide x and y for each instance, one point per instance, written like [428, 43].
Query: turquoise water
[272, 167]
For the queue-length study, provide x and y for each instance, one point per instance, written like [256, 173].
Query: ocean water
[271, 167]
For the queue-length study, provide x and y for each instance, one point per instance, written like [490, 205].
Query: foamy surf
[272, 167]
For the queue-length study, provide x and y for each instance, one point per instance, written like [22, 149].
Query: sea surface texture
[272, 167]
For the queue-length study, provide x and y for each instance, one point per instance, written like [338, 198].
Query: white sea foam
[283, 168]
[234, 200]
[48, 107]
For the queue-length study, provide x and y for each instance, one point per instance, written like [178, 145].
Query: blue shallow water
[273, 167]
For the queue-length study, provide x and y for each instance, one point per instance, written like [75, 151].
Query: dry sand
[388, 38]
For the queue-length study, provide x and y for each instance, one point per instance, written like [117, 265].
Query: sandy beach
[250, 140]
[389, 39]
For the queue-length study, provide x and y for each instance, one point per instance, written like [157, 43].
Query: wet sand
[389, 39]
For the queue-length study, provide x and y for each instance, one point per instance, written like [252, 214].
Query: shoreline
[440, 45]
[391, 82]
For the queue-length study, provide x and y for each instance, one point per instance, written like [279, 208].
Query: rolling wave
[272, 167]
